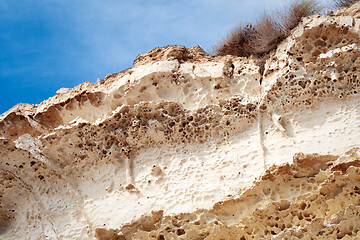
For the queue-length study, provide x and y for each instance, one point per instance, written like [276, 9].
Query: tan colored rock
[172, 52]
[185, 145]
[315, 197]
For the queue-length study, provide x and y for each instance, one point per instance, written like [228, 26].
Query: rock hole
[5, 222]
[180, 232]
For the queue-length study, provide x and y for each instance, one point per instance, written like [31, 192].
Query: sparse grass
[344, 3]
[261, 38]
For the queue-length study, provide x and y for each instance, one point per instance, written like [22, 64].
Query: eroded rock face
[150, 150]
[316, 196]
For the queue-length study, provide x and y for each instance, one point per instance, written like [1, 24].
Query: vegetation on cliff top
[260, 38]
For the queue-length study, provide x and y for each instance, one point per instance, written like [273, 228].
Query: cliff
[185, 145]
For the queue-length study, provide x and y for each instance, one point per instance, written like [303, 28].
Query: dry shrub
[261, 38]
[238, 43]
[268, 35]
[297, 10]
[344, 3]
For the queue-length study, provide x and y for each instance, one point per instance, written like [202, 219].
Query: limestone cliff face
[185, 145]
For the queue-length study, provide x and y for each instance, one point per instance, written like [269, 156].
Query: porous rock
[185, 145]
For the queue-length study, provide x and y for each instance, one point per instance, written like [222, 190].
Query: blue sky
[49, 44]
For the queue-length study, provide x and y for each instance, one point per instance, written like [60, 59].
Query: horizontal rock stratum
[185, 145]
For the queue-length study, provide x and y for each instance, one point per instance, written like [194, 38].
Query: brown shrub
[261, 38]
[344, 3]
[269, 34]
[297, 10]
[238, 42]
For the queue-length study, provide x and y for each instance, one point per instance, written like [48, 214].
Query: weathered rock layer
[147, 152]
